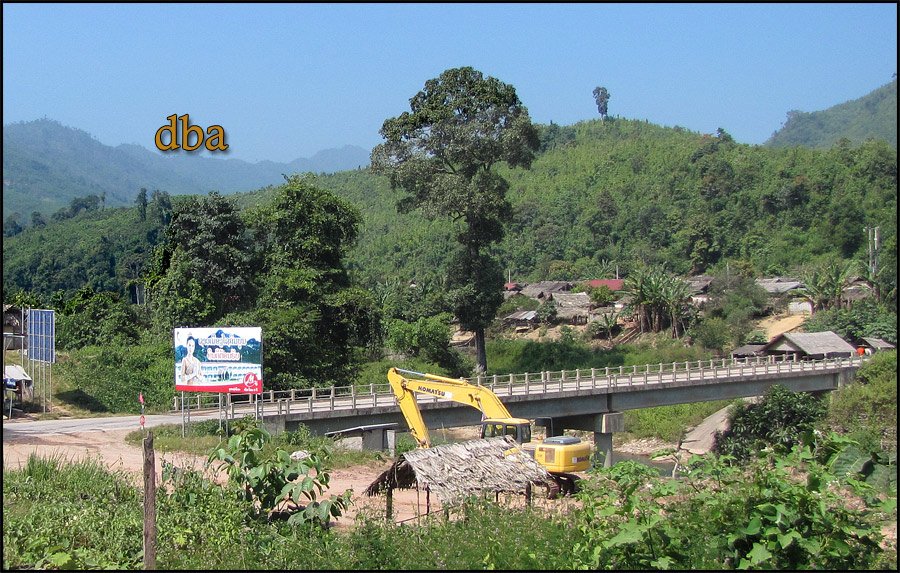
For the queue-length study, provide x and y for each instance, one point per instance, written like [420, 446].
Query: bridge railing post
[332, 398]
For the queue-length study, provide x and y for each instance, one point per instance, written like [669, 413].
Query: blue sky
[288, 80]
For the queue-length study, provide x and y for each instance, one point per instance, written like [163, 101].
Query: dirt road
[110, 448]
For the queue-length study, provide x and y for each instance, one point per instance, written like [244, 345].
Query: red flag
[141, 397]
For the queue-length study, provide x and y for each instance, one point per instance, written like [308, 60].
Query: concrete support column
[603, 446]
[604, 427]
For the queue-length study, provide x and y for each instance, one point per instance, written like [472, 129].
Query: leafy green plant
[780, 512]
[270, 482]
[776, 421]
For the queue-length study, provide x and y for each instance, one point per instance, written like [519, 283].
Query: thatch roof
[877, 343]
[456, 471]
[543, 288]
[825, 344]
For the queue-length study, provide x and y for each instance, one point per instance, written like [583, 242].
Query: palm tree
[824, 285]
[658, 299]
[677, 296]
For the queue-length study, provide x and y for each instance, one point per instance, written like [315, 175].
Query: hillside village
[576, 310]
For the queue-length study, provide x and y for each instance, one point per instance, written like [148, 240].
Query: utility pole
[872, 249]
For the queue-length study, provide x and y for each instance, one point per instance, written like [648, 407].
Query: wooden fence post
[149, 503]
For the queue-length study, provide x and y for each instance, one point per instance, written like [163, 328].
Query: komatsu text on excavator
[559, 454]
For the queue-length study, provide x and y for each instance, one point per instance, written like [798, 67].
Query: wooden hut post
[528, 493]
[389, 504]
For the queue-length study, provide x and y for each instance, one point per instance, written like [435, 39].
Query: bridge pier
[604, 427]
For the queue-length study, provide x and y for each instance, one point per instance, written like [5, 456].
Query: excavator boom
[456, 390]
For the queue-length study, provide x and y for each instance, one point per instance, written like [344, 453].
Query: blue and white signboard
[219, 359]
[41, 335]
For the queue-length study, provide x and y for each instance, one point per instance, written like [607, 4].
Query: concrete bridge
[586, 399]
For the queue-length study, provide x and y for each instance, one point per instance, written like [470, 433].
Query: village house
[871, 344]
[699, 289]
[541, 290]
[748, 351]
[572, 308]
[615, 285]
[809, 346]
[787, 288]
[522, 320]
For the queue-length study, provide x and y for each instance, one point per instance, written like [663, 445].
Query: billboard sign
[219, 359]
[41, 335]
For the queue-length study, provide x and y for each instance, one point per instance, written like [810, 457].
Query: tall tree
[601, 96]
[11, 226]
[37, 219]
[142, 204]
[314, 319]
[442, 154]
[207, 240]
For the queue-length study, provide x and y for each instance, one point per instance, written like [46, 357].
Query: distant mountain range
[47, 164]
[871, 116]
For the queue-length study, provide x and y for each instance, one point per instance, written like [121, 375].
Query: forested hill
[600, 194]
[46, 165]
[871, 116]
[624, 192]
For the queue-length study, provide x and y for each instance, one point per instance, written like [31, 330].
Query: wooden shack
[455, 472]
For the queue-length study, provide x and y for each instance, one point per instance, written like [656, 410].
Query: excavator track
[564, 485]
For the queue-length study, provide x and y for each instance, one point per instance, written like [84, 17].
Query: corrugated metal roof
[523, 315]
[612, 284]
[778, 285]
[748, 350]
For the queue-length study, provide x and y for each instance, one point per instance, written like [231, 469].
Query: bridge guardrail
[529, 383]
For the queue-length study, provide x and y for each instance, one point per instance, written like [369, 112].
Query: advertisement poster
[219, 359]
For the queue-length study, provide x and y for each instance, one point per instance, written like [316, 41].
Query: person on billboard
[190, 364]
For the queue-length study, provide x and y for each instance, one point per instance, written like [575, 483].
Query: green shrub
[721, 516]
[776, 421]
[867, 408]
[109, 378]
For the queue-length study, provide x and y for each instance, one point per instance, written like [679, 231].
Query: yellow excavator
[559, 455]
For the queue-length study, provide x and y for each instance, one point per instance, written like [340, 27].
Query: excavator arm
[456, 390]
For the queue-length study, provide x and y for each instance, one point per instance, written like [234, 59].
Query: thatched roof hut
[456, 471]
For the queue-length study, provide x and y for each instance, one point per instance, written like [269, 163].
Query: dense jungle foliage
[617, 190]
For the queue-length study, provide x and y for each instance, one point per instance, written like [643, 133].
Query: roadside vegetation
[820, 500]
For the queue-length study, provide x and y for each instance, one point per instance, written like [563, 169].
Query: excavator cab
[518, 428]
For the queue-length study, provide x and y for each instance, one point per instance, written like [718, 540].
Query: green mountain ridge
[871, 116]
[46, 165]
[600, 194]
